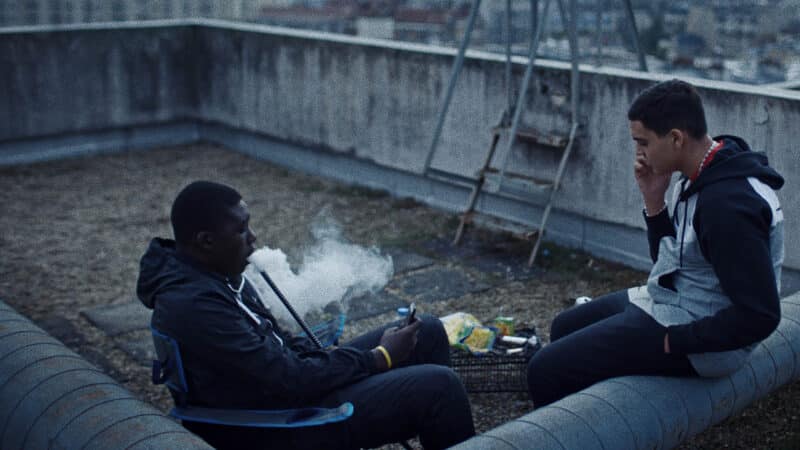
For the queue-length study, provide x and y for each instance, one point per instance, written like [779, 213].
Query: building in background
[39, 12]
[749, 41]
[330, 18]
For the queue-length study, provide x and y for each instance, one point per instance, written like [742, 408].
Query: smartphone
[412, 311]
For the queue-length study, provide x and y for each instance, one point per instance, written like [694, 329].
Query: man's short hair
[201, 206]
[670, 104]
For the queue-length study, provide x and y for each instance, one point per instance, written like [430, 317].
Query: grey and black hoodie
[717, 260]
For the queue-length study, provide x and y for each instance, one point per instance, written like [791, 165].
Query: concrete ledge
[639, 412]
[51, 398]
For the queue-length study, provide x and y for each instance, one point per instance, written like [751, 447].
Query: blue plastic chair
[168, 369]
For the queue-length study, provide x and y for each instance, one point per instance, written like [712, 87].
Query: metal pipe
[509, 89]
[564, 18]
[291, 309]
[632, 21]
[534, 17]
[459, 62]
[556, 184]
[523, 92]
[575, 57]
[476, 188]
[570, 24]
[598, 37]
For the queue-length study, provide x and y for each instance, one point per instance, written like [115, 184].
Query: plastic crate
[491, 372]
[494, 371]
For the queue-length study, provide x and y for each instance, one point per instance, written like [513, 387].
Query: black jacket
[230, 361]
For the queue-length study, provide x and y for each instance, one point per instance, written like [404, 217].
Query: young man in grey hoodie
[712, 293]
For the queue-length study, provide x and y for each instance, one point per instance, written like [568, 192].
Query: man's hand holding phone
[412, 313]
[399, 342]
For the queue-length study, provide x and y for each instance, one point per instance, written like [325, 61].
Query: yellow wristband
[385, 352]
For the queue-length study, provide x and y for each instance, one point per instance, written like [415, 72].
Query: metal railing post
[457, 64]
[632, 21]
[523, 92]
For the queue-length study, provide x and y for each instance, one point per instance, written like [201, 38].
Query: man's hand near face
[652, 186]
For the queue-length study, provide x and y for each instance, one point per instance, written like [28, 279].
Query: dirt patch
[73, 232]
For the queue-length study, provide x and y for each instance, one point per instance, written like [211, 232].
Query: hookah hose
[292, 311]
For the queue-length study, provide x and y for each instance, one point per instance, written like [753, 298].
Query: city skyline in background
[746, 41]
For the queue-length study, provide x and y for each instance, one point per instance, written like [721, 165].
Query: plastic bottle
[402, 313]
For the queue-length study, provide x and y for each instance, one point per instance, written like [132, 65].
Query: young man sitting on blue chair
[236, 357]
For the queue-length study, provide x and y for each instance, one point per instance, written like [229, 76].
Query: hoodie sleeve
[733, 224]
[218, 331]
[658, 226]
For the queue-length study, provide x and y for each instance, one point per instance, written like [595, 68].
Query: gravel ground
[73, 232]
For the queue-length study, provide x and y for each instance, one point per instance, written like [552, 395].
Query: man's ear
[677, 138]
[204, 240]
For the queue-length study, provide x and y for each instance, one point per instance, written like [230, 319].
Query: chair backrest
[168, 367]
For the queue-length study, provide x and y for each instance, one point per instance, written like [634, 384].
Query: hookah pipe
[292, 311]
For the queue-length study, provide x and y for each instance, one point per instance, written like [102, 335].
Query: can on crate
[504, 325]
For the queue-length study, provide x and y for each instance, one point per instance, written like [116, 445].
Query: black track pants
[605, 338]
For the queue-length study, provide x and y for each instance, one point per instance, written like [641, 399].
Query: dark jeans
[421, 397]
[605, 338]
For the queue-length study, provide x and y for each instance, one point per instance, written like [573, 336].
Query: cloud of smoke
[332, 270]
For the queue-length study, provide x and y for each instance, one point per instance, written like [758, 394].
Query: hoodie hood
[161, 267]
[735, 160]
[155, 271]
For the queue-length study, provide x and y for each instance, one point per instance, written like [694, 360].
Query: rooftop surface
[74, 231]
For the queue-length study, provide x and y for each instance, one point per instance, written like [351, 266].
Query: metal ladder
[501, 180]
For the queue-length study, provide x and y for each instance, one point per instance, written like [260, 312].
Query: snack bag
[479, 340]
[466, 332]
[458, 325]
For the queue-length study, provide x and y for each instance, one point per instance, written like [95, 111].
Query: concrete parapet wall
[51, 398]
[73, 79]
[368, 106]
[378, 101]
[373, 101]
[638, 412]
